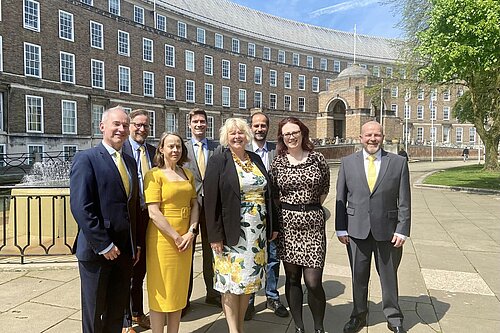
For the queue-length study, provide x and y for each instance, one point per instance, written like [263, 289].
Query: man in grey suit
[259, 123]
[373, 215]
[198, 126]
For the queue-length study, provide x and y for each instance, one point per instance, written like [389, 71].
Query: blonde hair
[232, 123]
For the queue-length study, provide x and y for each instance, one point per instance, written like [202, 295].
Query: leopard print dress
[302, 238]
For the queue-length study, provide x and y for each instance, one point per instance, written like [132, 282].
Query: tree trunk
[491, 153]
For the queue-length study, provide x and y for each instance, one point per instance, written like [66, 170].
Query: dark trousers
[387, 260]
[207, 256]
[105, 292]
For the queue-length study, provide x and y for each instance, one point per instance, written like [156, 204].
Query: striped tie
[123, 172]
[372, 172]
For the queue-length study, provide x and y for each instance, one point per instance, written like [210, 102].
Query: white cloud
[343, 6]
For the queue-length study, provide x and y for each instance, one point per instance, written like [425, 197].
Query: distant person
[465, 153]
[373, 214]
[403, 153]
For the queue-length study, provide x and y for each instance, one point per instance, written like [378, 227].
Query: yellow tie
[123, 172]
[201, 159]
[372, 172]
[144, 161]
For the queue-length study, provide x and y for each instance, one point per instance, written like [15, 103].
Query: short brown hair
[139, 112]
[196, 111]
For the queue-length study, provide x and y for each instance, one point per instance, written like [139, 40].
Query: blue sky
[370, 16]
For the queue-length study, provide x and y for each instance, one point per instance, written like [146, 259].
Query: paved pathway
[448, 277]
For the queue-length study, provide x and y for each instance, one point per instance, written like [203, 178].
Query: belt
[301, 208]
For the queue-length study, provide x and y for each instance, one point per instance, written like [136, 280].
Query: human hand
[397, 241]
[217, 247]
[112, 254]
[274, 235]
[187, 240]
[343, 239]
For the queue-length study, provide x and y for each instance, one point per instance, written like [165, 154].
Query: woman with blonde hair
[239, 216]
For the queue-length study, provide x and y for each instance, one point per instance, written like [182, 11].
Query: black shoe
[396, 329]
[354, 325]
[276, 306]
[250, 312]
[299, 330]
[213, 300]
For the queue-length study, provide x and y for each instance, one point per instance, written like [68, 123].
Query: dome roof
[354, 70]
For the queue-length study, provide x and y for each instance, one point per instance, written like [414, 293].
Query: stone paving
[448, 277]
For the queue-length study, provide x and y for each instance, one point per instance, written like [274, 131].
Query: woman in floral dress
[239, 217]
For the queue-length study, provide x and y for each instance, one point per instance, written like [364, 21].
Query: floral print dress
[240, 269]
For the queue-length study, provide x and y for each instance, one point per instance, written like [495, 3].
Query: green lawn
[466, 176]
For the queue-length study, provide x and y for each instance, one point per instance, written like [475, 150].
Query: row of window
[446, 112]
[446, 133]
[433, 93]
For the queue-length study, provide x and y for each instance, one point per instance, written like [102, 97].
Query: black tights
[315, 293]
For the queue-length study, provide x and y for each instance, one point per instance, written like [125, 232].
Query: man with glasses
[143, 153]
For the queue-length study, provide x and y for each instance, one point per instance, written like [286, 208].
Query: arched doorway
[337, 109]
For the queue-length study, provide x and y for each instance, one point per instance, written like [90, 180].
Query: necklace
[247, 166]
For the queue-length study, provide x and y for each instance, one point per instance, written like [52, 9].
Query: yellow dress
[168, 270]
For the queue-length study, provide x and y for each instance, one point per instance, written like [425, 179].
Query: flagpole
[433, 134]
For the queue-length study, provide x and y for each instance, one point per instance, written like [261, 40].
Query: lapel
[384, 164]
[230, 171]
[360, 169]
[192, 159]
[110, 165]
[151, 152]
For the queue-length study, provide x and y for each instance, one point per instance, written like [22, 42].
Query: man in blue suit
[105, 203]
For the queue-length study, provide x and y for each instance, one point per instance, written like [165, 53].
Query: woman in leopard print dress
[301, 178]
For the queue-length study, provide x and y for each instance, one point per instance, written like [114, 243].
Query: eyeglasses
[146, 126]
[290, 134]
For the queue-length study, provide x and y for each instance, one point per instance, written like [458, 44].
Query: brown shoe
[128, 330]
[142, 321]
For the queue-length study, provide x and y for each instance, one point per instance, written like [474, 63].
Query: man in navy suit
[373, 215]
[104, 200]
[136, 143]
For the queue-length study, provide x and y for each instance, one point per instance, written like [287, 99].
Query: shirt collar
[110, 149]
[255, 147]
[378, 154]
[134, 144]
[204, 141]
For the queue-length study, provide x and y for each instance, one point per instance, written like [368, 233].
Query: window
[2, 154]
[242, 98]
[310, 62]
[123, 43]
[251, 49]
[181, 29]
[96, 35]
[446, 113]
[97, 111]
[31, 15]
[432, 131]
[171, 122]
[147, 50]
[420, 94]
[394, 108]
[376, 71]
[446, 134]
[302, 82]
[152, 123]
[287, 102]
[361, 65]
[266, 53]
[446, 95]
[138, 14]
[257, 99]
[287, 81]
[148, 83]
[257, 78]
[460, 91]
[200, 35]
[296, 59]
[328, 83]
[226, 69]
[315, 84]
[190, 86]
[189, 61]
[459, 134]
[1, 113]
[161, 22]
[323, 64]
[68, 117]
[1, 53]
[472, 135]
[226, 96]
[394, 92]
[208, 67]
[281, 56]
[67, 67]
[169, 55]
[32, 60]
[235, 45]
[407, 111]
[65, 25]
[97, 73]
[336, 66]
[433, 94]
[402, 74]
[433, 112]
[69, 151]
[124, 79]
[34, 114]
[114, 7]
[209, 94]
[272, 101]
[302, 104]
[420, 134]
[273, 75]
[87, 2]
[242, 73]
[407, 94]
[219, 41]
[420, 112]
[170, 88]
[35, 153]
[388, 72]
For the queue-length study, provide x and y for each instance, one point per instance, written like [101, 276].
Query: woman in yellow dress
[171, 199]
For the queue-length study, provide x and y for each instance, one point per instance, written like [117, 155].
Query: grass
[466, 176]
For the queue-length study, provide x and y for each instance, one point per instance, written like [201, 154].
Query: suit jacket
[223, 199]
[100, 205]
[142, 224]
[213, 148]
[271, 151]
[384, 211]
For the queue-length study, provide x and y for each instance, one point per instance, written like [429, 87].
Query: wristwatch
[194, 230]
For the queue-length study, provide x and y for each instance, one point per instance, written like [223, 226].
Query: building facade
[63, 62]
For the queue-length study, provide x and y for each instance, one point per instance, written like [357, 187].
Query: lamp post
[433, 134]
[406, 121]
